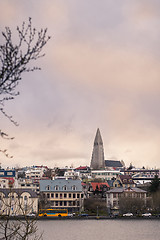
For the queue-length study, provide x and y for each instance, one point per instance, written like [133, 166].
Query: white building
[18, 202]
[105, 174]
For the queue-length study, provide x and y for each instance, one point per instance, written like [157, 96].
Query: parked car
[128, 215]
[83, 215]
[70, 214]
[146, 215]
[31, 215]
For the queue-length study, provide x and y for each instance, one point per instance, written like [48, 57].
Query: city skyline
[101, 70]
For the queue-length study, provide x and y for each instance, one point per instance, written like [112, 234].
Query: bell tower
[97, 160]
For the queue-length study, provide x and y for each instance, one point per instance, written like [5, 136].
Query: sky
[101, 70]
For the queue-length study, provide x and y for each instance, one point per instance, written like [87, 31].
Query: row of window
[64, 188]
[115, 195]
[63, 195]
[105, 173]
[64, 203]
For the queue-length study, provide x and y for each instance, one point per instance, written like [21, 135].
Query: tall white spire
[97, 161]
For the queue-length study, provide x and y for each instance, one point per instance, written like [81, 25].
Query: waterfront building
[97, 160]
[62, 193]
[14, 201]
[114, 195]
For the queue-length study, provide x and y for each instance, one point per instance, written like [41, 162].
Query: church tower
[97, 161]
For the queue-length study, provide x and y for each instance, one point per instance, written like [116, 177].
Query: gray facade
[97, 160]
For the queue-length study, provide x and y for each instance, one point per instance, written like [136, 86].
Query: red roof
[99, 184]
[81, 168]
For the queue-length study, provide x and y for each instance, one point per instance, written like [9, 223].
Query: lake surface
[100, 229]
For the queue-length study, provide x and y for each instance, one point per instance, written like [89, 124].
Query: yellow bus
[53, 212]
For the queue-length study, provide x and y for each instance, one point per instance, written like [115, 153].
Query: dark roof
[113, 163]
[19, 191]
[127, 179]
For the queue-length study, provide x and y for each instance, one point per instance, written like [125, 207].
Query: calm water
[100, 229]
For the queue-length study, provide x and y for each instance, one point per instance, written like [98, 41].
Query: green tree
[154, 185]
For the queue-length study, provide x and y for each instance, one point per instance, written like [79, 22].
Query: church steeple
[97, 160]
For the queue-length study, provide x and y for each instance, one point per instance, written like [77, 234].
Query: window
[61, 195]
[65, 203]
[73, 187]
[25, 197]
[48, 187]
[56, 203]
[56, 187]
[69, 195]
[74, 195]
[52, 195]
[64, 187]
[65, 195]
[60, 203]
[114, 195]
[56, 195]
[48, 195]
[9, 173]
[77, 195]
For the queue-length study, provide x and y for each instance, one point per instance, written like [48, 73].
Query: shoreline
[81, 218]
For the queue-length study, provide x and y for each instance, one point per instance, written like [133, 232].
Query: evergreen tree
[154, 185]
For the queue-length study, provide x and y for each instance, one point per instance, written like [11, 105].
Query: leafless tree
[14, 226]
[15, 59]
[134, 205]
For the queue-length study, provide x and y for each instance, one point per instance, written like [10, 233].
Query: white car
[128, 215]
[31, 215]
[146, 215]
[70, 214]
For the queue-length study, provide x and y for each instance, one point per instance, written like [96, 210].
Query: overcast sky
[101, 69]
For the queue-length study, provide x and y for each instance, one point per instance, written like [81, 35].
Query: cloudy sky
[101, 69]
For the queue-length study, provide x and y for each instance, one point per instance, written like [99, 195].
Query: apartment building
[62, 193]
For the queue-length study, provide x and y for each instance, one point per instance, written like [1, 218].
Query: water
[100, 229]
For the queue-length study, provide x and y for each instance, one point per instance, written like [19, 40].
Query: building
[25, 183]
[142, 176]
[18, 201]
[97, 160]
[114, 195]
[105, 174]
[114, 164]
[7, 173]
[62, 193]
[127, 181]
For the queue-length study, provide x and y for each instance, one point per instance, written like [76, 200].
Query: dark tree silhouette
[155, 184]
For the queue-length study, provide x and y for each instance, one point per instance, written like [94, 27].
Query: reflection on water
[100, 229]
